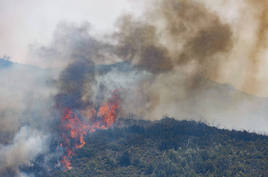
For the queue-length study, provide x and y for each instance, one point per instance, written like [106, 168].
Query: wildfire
[74, 128]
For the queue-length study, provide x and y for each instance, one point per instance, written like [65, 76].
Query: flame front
[74, 128]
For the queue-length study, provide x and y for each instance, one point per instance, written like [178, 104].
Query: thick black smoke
[170, 61]
[174, 53]
[72, 84]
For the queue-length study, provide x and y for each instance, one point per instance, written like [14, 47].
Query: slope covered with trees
[169, 148]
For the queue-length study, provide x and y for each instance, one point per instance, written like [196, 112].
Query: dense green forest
[169, 148]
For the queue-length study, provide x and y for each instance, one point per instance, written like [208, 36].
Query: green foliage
[170, 148]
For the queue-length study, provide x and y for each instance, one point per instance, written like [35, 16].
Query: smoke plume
[25, 108]
[189, 45]
[195, 60]
[181, 58]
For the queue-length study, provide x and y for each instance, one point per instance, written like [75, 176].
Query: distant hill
[169, 148]
[5, 63]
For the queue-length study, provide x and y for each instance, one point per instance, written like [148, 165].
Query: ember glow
[76, 124]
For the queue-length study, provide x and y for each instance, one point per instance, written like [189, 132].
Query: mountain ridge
[169, 148]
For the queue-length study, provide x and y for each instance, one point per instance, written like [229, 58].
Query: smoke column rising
[177, 52]
[201, 60]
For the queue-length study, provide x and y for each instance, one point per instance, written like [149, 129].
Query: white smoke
[27, 144]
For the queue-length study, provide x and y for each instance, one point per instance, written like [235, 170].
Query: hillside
[169, 148]
[143, 148]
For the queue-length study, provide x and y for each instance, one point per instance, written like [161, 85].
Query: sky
[26, 22]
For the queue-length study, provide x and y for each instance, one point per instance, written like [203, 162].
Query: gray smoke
[194, 60]
[24, 148]
[25, 116]
[179, 53]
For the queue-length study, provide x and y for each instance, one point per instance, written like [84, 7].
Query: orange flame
[74, 129]
[66, 162]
